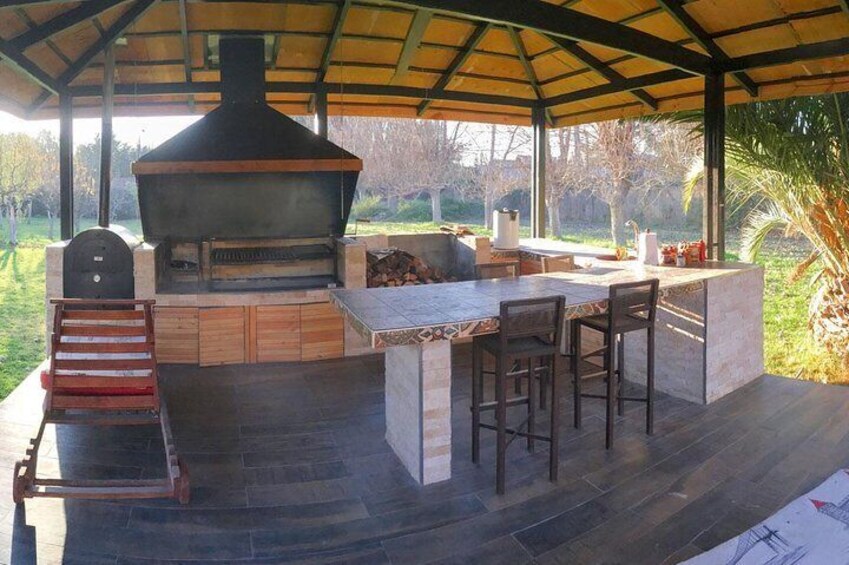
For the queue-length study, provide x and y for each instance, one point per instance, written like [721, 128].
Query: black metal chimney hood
[245, 170]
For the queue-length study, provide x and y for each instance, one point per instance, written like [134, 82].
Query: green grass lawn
[789, 347]
[21, 314]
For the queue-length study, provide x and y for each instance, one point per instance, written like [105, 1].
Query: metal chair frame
[628, 310]
[546, 354]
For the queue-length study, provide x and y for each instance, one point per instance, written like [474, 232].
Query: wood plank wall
[249, 334]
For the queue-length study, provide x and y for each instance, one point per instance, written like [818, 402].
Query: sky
[152, 131]
[149, 131]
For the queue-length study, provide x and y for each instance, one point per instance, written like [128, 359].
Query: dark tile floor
[289, 464]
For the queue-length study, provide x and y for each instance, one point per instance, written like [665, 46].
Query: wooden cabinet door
[530, 267]
[176, 334]
[322, 332]
[278, 333]
[222, 336]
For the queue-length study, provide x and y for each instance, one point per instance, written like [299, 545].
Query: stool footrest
[517, 433]
[515, 401]
[523, 373]
[604, 397]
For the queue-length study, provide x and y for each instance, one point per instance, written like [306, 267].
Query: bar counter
[709, 338]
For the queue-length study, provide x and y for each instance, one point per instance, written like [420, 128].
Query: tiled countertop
[416, 314]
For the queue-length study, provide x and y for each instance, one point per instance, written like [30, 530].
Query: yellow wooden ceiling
[395, 58]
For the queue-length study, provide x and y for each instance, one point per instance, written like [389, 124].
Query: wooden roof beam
[156, 89]
[459, 60]
[21, 63]
[338, 24]
[626, 85]
[807, 52]
[330, 47]
[602, 68]
[552, 20]
[519, 45]
[184, 38]
[17, 3]
[115, 30]
[825, 49]
[411, 43]
[62, 22]
[677, 11]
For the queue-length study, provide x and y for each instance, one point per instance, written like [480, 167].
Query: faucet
[633, 224]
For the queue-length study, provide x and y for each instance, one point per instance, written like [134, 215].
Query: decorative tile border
[380, 339]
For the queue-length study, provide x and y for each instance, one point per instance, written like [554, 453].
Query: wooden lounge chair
[102, 373]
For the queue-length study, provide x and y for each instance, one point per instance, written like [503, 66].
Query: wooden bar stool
[529, 332]
[632, 307]
[502, 270]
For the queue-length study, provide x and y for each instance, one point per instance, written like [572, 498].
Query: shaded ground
[289, 464]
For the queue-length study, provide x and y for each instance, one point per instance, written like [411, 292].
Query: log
[393, 267]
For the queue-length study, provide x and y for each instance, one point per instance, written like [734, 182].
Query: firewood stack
[393, 267]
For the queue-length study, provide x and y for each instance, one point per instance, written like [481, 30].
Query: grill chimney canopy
[245, 134]
[245, 170]
[242, 62]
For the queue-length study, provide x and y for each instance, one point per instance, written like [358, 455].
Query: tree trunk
[51, 221]
[435, 204]
[554, 218]
[392, 203]
[617, 219]
[829, 318]
[489, 197]
[12, 219]
[29, 212]
[488, 205]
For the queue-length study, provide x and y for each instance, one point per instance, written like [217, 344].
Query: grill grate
[259, 255]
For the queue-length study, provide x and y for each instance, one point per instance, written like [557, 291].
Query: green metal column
[540, 139]
[714, 132]
[66, 166]
[106, 137]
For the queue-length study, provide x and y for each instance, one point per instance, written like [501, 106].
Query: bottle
[680, 259]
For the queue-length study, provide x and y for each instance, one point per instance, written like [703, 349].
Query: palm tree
[789, 159]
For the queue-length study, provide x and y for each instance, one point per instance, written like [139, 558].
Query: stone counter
[709, 338]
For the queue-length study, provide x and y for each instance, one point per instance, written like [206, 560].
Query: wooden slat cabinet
[322, 332]
[222, 336]
[176, 335]
[278, 333]
[530, 267]
[250, 334]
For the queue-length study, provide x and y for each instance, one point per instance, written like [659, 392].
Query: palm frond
[757, 227]
[802, 267]
[691, 182]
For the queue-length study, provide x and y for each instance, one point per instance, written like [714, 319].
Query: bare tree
[567, 171]
[20, 167]
[48, 190]
[617, 156]
[404, 158]
[501, 173]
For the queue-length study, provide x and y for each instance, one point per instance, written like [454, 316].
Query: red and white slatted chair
[102, 373]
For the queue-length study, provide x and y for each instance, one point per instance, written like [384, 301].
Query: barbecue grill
[246, 198]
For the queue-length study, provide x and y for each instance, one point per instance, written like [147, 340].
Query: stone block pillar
[418, 408]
